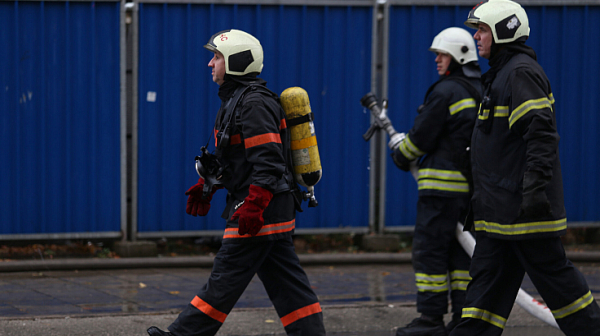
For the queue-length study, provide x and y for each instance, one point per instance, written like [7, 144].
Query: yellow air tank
[305, 153]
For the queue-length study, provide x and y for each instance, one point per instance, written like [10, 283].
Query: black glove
[535, 202]
[400, 160]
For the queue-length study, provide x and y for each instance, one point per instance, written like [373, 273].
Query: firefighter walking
[441, 136]
[253, 164]
[519, 213]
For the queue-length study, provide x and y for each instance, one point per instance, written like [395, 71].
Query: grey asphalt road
[347, 320]
[370, 299]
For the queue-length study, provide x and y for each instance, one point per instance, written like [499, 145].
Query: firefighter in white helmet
[439, 140]
[518, 206]
[252, 159]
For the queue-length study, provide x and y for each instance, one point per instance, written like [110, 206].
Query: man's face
[443, 61]
[484, 39]
[217, 63]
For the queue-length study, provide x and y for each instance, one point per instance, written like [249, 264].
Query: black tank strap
[301, 120]
[230, 111]
[232, 103]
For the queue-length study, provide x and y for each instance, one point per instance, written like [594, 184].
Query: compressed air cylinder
[305, 153]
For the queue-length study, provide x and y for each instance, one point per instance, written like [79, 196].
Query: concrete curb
[198, 261]
[207, 261]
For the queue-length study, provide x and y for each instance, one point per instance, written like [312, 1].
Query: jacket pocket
[507, 198]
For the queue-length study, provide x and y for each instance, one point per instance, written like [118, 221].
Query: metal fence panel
[59, 138]
[60, 96]
[560, 36]
[325, 50]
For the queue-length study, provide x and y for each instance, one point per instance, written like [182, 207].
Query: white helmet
[456, 42]
[242, 52]
[507, 19]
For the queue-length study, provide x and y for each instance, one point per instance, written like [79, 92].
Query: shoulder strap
[252, 88]
[223, 135]
[263, 89]
[233, 102]
[232, 114]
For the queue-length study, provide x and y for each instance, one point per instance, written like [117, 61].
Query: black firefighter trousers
[498, 268]
[441, 265]
[277, 266]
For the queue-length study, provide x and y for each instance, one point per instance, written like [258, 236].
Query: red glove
[250, 214]
[196, 205]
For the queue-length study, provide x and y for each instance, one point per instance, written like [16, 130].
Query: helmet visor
[211, 45]
[472, 19]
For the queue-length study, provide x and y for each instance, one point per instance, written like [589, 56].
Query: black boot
[453, 323]
[423, 327]
[154, 331]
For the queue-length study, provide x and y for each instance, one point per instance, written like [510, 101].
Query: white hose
[526, 301]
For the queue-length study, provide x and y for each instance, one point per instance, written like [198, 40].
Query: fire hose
[466, 240]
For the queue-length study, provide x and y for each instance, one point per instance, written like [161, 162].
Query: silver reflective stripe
[446, 180]
[522, 228]
[484, 115]
[444, 186]
[409, 150]
[441, 174]
[406, 152]
[484, 315]
[460, 275]
[431, 282]
[432, 288]
[534, 104]
[500, 111]
[576, 306]
[431, 277]
[459, 285]
[461, 105]
[459, 279]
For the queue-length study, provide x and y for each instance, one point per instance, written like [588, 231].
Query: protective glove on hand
[250, 214]
[400, 160]
[196, 204]
[535, 202]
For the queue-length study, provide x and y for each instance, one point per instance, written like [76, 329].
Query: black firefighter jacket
[442, 130]
[516, 132]
[256, 154]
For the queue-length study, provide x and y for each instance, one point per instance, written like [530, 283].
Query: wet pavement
[34, 294]
[35, 300]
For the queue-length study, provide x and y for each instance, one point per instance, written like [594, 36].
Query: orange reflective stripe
[262, 139]
[208, 309]
[235, 139]
[283, 124]
[264, 231]
[300, 313]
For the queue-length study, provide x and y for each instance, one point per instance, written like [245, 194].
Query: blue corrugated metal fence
[325, 50]
[60, 154]
[59, 119]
